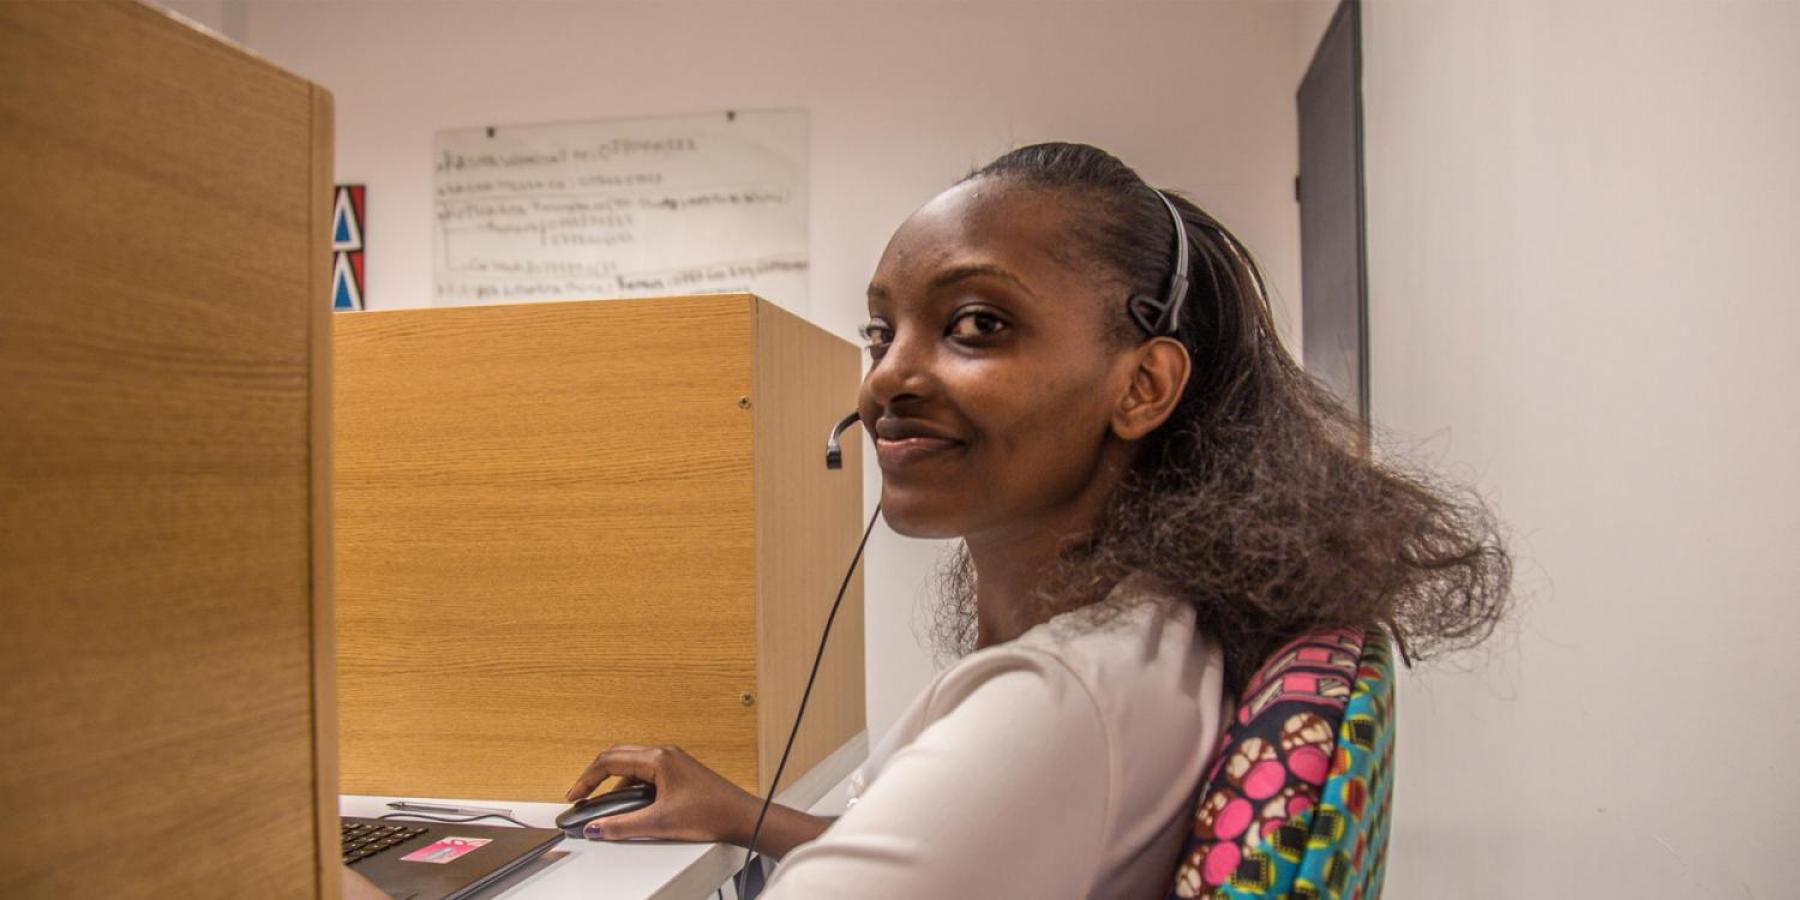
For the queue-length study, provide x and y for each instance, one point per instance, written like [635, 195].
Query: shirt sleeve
[1005, 794]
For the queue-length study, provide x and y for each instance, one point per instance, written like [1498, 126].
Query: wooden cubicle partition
[164, 528]
[567, 525]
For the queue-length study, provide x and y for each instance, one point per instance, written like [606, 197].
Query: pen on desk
[406, 806]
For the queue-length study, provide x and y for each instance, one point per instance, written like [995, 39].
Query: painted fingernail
[592, 830]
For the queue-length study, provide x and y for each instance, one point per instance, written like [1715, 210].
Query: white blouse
[1060, 764]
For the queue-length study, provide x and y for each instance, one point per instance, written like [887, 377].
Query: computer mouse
[611, 803]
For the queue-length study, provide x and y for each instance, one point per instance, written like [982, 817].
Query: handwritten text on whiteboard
[626, 208]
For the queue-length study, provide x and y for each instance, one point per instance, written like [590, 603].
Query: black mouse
[611, 803]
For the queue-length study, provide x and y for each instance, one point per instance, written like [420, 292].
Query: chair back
[1295, 803]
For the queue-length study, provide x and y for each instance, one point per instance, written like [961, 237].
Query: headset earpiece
[1147, 312]
[1159, 317]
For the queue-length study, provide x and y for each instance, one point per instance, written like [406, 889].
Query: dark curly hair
[1257, 500]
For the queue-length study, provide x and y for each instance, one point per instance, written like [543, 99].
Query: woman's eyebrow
[955, 274]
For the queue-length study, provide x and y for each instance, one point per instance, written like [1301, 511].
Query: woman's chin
[916, 518]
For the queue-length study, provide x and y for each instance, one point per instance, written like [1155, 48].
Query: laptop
[438, 861]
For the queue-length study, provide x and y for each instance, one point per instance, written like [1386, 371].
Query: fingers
[643, 823]
[628, 760]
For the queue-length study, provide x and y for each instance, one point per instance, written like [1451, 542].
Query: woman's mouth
[895, 453]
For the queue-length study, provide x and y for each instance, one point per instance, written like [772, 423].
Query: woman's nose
[903, 372]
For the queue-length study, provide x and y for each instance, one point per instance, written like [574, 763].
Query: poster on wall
[623, 208]
[347, 222]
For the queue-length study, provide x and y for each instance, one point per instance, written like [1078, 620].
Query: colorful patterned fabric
[1296, 801]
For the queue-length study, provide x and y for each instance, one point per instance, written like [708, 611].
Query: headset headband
[1163, 316]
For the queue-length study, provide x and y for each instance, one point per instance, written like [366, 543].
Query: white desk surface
[626, 870]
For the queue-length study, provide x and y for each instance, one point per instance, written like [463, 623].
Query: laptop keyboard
[363, 839]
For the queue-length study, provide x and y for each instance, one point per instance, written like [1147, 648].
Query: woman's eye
[977, 324]
[876, 335]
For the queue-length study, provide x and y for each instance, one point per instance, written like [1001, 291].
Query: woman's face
[993, 381]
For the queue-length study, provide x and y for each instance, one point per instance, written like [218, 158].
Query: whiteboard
[623, 208]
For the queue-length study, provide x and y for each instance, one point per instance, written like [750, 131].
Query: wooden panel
[324, 614]
[544, 542]
[808, 521]
[160, 237]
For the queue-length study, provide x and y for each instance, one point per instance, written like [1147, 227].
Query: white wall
[223, 17]
[1582, 230]
[905, 97]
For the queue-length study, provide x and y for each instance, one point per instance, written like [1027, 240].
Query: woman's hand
[693, 803]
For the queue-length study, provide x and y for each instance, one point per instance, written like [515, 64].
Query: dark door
[1334, 283]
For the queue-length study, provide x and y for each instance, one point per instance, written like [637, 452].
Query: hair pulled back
[1255, 501]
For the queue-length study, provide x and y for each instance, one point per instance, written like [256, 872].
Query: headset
[1160, 317]
[834, 459]
[1155, 316]
[834, 454]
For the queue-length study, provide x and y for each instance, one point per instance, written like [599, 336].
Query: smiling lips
[905, 442]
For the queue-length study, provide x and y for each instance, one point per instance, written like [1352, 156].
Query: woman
[1151, 496]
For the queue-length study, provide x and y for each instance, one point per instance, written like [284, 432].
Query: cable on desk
[743, 884]
[458, 821]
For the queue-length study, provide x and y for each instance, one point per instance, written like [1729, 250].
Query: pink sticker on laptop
[446, 849]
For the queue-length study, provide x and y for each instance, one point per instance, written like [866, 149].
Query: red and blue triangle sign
[347, 220]
[346, 291]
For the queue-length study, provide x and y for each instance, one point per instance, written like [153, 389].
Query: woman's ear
[1160, 368]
